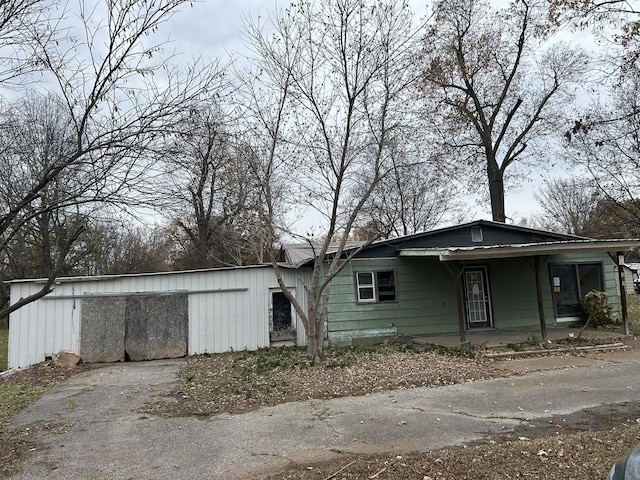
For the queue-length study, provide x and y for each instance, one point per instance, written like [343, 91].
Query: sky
[213, 28]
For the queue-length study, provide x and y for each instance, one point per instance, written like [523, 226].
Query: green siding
[426, 302]
[425, 299]
[512, 282]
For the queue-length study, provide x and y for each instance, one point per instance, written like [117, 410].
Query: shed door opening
[281, 319]
[115, 329]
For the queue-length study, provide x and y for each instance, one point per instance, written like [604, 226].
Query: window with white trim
[374, 287]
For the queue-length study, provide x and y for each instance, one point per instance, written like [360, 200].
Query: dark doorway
[281, 319]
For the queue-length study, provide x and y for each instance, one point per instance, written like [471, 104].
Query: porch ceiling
[521, 250]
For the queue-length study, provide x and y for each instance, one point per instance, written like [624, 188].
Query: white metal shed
[226, 309]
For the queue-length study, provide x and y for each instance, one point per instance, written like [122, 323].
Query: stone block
[67, 359]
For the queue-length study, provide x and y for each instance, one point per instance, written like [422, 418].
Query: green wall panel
[425, 298]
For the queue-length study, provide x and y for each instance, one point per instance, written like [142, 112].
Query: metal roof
[521, 250]
[480, 223]
[90, 278]
[297, 254]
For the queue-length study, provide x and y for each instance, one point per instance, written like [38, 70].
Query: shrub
[598, 308]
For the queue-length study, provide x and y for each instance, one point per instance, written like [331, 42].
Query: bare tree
[116, 246]
[411, 198]
[569, 205]
[212, 199]
[615, 23]
[36, 135]
[606, 142]
[501, 89]
[23, 22]
[121, 95]
[328, 98]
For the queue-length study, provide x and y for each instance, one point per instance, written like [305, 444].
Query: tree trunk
[315, 335]
[314, 348]
[496, 192]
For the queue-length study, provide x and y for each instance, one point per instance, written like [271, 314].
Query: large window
[376, 286]
[571, 282]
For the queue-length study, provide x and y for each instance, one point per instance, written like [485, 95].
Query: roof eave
[525, 250]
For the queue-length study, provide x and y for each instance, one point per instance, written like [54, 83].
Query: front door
[476, 290]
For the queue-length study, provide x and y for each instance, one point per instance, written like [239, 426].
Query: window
[375, 287]
[571, 282]
[476, 234]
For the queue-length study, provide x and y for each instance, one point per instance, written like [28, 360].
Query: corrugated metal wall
[41, 327]
[229, 309]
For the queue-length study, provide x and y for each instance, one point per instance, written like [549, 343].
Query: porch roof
[521, 250]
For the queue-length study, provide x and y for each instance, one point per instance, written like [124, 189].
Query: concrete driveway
[105, 438]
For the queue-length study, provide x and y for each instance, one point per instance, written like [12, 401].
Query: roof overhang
[93, 278]
[522, 250]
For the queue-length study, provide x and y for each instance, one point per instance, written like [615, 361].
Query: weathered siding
[513, 293]
[41, 328]
[460, 236]
[228, 309]
[425, 293]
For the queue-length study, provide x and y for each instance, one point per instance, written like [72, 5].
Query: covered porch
[468, 266]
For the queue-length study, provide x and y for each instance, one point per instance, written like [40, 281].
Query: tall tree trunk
[496, 192]
[314, 348]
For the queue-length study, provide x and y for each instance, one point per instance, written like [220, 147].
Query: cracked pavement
[104, 437]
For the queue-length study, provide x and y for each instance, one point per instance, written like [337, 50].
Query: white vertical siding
[41, 328]
[228, 309]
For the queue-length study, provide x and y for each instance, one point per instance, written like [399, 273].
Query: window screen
[386, 286]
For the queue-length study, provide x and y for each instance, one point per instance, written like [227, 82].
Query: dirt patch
[582, 446]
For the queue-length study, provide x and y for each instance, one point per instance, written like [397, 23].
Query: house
[156, 315]
[473, 277]
[479, 276]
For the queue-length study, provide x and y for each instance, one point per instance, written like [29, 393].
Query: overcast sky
[210, 27]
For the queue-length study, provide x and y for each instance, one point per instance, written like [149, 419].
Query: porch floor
[496, 338]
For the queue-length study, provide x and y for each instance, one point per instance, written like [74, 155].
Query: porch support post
[456, 271]
[623, 291]
[538, 268]
[460, 299]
